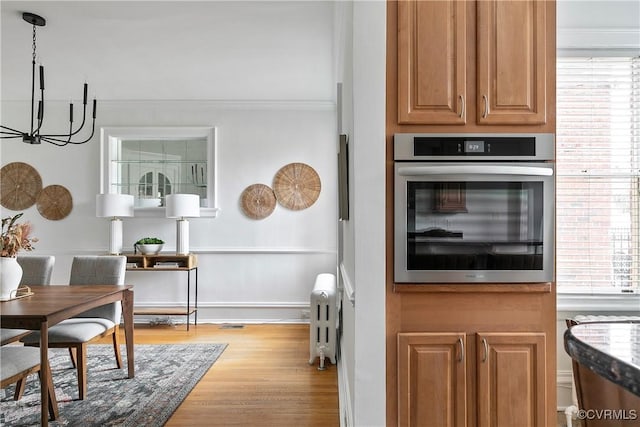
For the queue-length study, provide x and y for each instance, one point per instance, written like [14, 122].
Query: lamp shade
[183, 205]
[114, 205]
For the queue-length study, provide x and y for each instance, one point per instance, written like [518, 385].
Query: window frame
[599, 299]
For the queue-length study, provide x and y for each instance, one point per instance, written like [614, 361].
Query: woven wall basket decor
[54, 202]
[258, 201]
[20, 185]
[297, 186]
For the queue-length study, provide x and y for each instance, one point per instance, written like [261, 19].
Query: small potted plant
[149, 245]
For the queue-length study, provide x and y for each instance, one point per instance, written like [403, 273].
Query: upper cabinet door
[432, 62]
[511, 62]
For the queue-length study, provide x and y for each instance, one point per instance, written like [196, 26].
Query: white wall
[362, 256]
[343, 42]
[259, 270]
[603, 26]
[133, 50]
[264, 78]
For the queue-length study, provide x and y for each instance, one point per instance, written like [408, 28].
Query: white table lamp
[114, 206]
[182, 206]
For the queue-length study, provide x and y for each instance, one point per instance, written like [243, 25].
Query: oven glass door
[476, 227]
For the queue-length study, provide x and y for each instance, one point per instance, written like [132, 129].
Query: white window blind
[598, 175]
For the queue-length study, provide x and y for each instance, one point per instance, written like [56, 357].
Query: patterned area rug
[165, 374]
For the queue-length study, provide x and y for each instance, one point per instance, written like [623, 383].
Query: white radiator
[322, 316]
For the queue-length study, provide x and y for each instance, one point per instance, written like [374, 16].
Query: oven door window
[475, 225]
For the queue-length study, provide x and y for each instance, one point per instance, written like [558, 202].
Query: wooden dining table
[52, 304]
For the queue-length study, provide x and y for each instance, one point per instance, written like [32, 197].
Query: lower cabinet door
[511, 379]
[432, 379]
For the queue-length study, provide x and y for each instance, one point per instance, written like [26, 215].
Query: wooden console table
[165, 262]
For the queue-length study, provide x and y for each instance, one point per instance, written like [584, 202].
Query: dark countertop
[612, 350]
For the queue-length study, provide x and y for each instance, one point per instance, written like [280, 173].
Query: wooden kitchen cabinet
[437, 42]
[511, 62]
[451, 197]
[432, 62]
[511, 379]
[432, 389]
[508, 375]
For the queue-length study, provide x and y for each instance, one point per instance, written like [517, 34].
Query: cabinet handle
[486, 106]
[461, 342]
[462, 106]
[486, 350]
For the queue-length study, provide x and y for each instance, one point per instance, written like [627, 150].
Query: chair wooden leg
[116, 347]
[19, 389]
[53, 401]
[81, 354]
[72, 354]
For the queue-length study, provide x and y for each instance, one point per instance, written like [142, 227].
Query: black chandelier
[34, 136]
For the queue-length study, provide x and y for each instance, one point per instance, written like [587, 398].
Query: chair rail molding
[240, 250]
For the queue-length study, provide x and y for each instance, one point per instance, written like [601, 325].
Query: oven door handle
[474, 169]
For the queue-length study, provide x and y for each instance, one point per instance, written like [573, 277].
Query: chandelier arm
[61, 142]
[70, 128]
[52, 141]
[84, 116]
[49, 138]
[12, 130]
[11, 136]
[93, 129]
[84, 113]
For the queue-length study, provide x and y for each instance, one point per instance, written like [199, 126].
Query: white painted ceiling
[157, 50]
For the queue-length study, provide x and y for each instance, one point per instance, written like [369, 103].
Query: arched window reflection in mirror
[150, 163]
[154, 185]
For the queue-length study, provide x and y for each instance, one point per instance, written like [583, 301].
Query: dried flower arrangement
[15, 237]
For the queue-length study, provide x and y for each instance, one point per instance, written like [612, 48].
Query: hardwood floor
[262, 378]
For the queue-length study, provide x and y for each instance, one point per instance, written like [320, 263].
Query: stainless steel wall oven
[474, 208]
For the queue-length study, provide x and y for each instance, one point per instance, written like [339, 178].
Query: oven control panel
[412, 147]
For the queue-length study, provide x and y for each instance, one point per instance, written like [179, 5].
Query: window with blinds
[598, 175]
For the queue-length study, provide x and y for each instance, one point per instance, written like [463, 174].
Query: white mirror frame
[110, 137]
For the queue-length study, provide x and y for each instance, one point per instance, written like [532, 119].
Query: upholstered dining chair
[77, 332]
[36, 270]
[17, 363]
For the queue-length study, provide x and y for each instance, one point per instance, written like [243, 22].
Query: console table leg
[196, 301]
[188, 297]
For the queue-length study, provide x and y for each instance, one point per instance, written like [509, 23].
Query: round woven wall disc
[297, 186]
[258, 201]
[20, 185]
[54, 202]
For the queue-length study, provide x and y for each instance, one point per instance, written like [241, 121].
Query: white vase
[10, 276]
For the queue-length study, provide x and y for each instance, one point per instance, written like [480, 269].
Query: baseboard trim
[234, 312]
[230, 304]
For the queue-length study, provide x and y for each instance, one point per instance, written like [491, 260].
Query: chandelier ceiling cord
[34, 136]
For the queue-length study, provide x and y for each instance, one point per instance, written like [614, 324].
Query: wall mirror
[152, 162]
